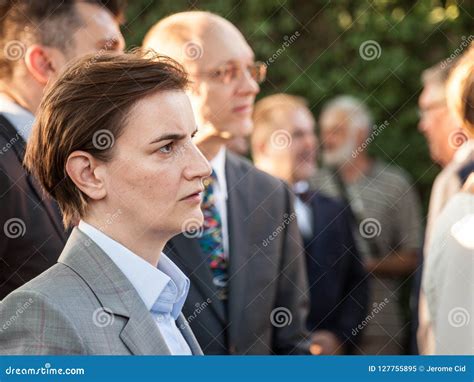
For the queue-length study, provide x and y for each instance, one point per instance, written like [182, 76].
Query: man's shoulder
[391, 173]
[330, 202]
[257, 179]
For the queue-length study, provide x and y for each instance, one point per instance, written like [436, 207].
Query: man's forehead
[224, 44]
[334, 118]
[434, 92]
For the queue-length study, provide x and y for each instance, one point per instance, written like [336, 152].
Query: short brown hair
[461, 91]
[86, 109]
[46, 22]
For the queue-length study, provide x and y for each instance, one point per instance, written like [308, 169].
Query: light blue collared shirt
[19, 117]
[163, 289]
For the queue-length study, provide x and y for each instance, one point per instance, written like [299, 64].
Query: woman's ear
[43, 62]
[83, 168]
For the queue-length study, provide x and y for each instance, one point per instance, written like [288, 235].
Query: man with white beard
[385, 207]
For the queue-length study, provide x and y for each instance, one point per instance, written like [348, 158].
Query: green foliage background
[324, 60]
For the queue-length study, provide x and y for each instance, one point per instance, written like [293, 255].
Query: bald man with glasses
[246, 264]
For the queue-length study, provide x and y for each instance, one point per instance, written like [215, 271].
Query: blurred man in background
[247, 261]
[284, 144]
[37, 40]
[450, 148]
[386, 209]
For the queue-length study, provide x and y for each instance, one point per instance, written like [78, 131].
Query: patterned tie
[211, 239]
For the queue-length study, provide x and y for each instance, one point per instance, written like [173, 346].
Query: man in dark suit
[248, 284]
[284, 144]
[31, 231]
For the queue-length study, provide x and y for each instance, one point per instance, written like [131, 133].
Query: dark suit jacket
[34, 239]
[267, 276]
[337, 279]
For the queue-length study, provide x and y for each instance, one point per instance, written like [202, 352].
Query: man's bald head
[193, 38]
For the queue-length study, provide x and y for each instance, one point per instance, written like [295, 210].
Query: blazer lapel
[188, 335]
[11, 135]
[238, 214]
[187, 254]
[115, 293]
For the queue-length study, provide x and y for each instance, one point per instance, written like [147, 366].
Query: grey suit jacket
[82, 305]
[268, 292]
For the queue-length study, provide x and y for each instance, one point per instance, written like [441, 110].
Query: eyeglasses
[230, 71]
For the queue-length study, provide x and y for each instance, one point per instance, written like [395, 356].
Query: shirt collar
[301, 187]
[18, 116]
[163, 289]
[218, 165]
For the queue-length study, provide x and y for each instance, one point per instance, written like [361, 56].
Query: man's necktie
[211, 240]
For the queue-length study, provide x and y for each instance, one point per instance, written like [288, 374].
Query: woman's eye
[167, 148]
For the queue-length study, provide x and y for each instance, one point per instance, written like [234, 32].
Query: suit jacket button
[232, 349]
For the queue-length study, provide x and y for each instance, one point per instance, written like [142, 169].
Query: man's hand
[325, 342]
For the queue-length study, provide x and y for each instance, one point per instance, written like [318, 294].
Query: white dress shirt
[304, 214]
[220, 194]
[19, 117]
[163, 289]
